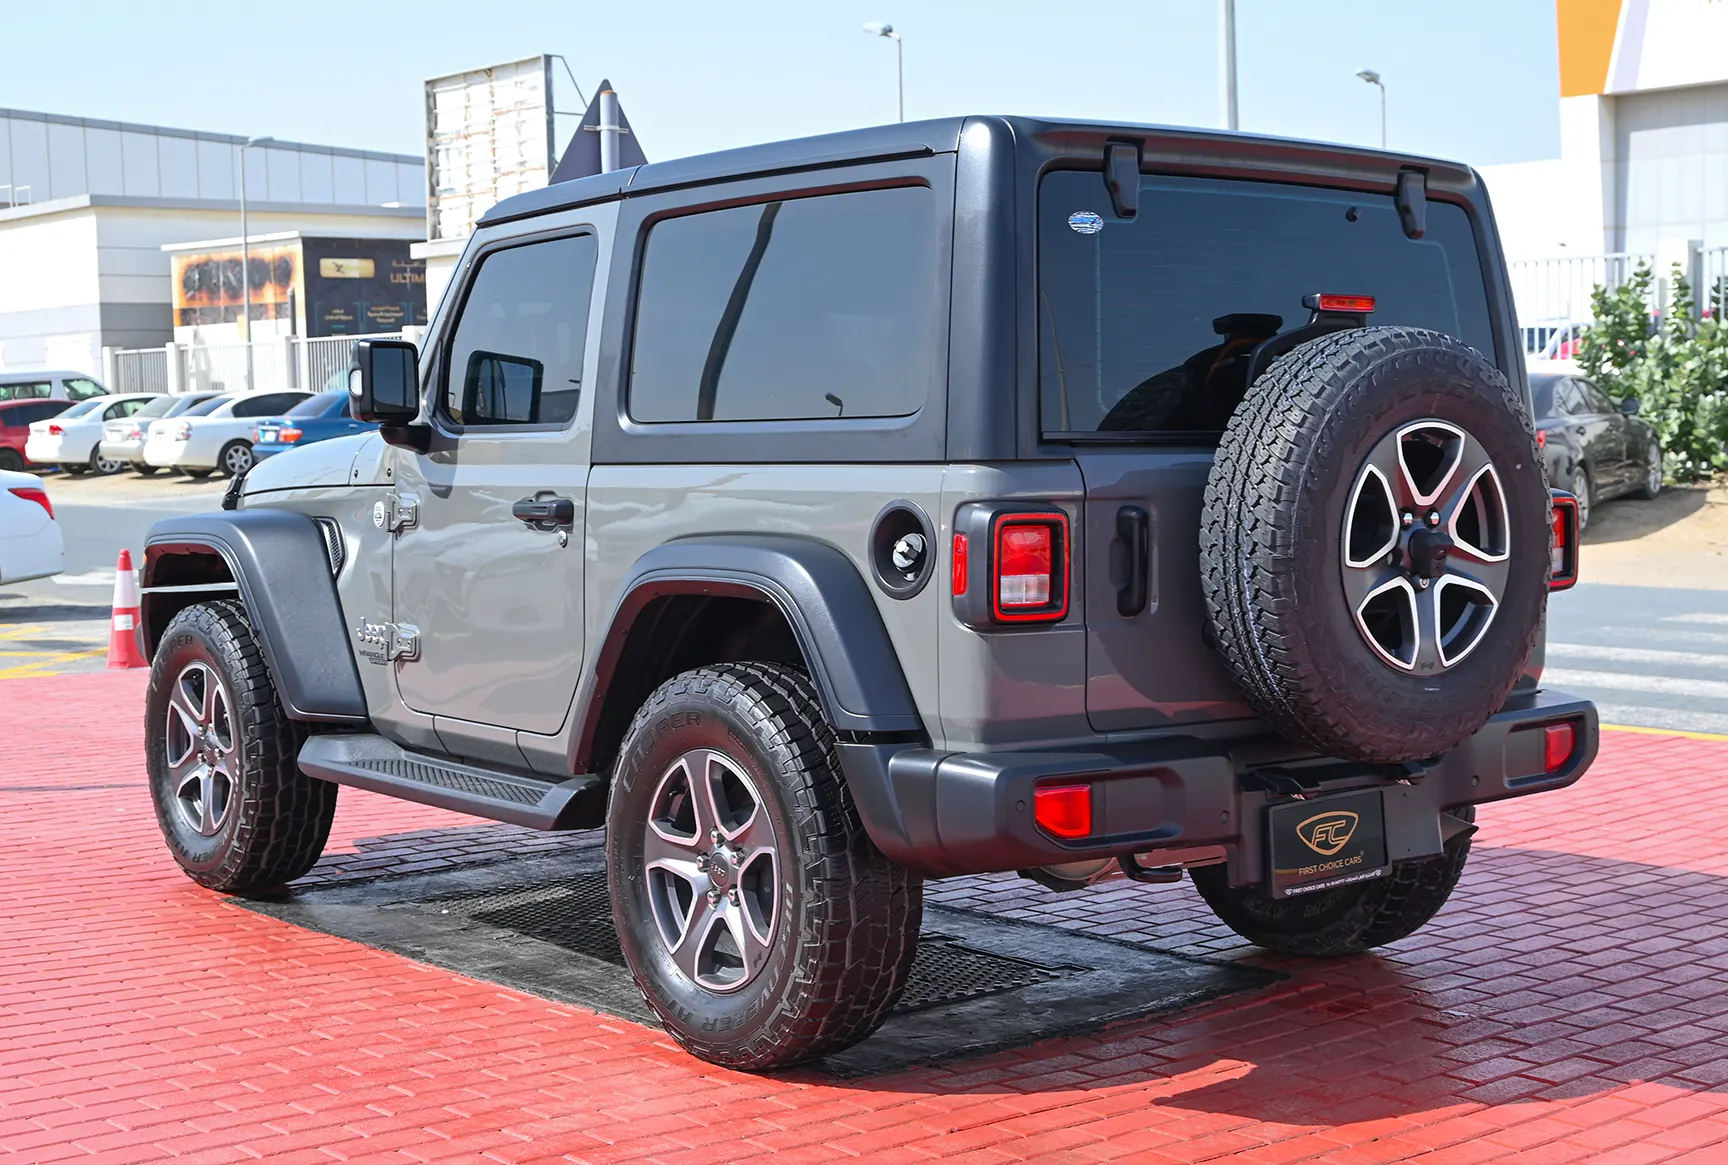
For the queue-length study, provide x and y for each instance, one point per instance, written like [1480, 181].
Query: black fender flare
[279, 563]
[824, 599]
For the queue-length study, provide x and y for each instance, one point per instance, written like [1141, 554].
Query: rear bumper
[261, 450]
[132, 451]
[945, 813]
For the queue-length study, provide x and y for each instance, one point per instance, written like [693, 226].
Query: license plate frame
[1330, 841]
[268, 436]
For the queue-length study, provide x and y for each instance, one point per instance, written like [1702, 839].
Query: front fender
[278, 562]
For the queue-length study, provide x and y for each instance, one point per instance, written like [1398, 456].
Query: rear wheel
[10, 461]
[1652, 483]
[140, 468]
[759, 921]
[1585, 491]
[104, 465]
[197, 474]
[234, 807]
[1347, 919]
[75, 469]
[236, 458]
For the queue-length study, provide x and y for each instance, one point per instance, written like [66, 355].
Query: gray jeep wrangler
[976, 495]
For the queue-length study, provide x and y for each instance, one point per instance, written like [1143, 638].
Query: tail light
[1563, 562]
[184, 431]
[288, 436]
[1025, 569]
[1354, 304]
[133, 434]
[1541, 438]
[56, 430]
[32, 493]
[1063, 810]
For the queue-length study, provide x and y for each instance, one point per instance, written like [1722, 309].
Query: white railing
[322, 359]
[288, 362]
[1552, 294]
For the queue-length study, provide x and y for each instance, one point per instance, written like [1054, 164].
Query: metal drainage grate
[576, 914]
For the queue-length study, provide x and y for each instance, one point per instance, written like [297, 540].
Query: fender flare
[816, 588]
[278, 560]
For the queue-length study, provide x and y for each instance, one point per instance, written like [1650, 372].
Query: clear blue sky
[1469, 79]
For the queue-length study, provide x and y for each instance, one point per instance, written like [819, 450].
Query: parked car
[15, 418]
[318, 418]
[30, 543]
[1590, 447]
[72, 386]
[975, 496]
[206, 439]
[73, 439]
[123, 439]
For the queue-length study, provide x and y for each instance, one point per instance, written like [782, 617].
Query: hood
[323, 463]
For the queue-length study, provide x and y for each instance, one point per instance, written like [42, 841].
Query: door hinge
[397, 512]
[404, 642]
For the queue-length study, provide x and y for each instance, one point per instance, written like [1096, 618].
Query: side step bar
[370, 762]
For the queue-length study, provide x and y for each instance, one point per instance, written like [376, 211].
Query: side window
[77, 388]
[1595, 398]
[1569, 400]
[795, 310]
[28, 391]
[516, 356]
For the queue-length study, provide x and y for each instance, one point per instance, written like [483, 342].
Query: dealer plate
[1327, 842]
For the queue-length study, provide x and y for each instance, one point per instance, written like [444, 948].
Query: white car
[123, 440]
[215, 435]
[30, 545]
[72, 440]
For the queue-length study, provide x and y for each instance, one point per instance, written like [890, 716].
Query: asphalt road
[1653, 657]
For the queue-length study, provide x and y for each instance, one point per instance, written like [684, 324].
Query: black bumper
[945, 813]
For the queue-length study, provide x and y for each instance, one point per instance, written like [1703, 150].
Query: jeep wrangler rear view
[975, 495]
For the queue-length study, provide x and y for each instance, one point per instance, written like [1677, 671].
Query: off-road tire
[1346, 920]
[848, 917]
[1272, 525]
[10, 461]
[279, 818]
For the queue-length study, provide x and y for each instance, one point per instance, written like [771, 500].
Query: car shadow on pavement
[1628, 519]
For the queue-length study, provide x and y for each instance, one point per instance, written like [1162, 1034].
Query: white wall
[1672, 149]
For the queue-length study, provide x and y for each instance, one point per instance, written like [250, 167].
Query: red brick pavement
[1568, 1005]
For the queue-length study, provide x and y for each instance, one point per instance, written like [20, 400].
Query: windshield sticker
[1087, 222]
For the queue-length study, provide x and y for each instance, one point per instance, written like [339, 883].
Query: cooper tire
[1345, 920]
[234, 807]
[1321, 663]
[843, 931]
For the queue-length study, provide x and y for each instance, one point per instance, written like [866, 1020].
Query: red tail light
[1563, 562]
[1355, 304]
[56, 431]
[288, 436]
[1541, 438]
[31, 493]
[184, 431]
[960, 564]
[1558, 741]
[1063, 810]
[1029, 568]
[134, 433]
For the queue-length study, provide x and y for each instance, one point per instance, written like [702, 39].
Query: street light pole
[1373, 78]
[878, 28]
[1227, 62]
[245, 259]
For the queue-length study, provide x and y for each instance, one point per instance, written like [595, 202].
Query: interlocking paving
[1568, 1005]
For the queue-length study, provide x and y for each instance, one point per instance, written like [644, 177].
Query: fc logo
[1327, 833]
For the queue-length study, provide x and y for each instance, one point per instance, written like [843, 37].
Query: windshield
[156, 407]
[208, 407]
[317, 406]
[1148, 326]
[82, 407]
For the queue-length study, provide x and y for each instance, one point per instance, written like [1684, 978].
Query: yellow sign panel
[345, 268]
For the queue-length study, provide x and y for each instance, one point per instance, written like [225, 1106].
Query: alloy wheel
[712, 863]
[237, 460]
[1427, 547]
[1653, 471]
[202, 749]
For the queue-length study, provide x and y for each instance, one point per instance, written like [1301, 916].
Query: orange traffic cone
[123, 632]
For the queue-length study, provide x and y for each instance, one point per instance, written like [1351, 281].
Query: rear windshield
[156, 407]
[207, 407]
[83, 406]
[1147, 326]
[184, 404]
[317, 406]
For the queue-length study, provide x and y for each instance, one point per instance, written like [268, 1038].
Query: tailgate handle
[1134, 528]
[545, 511]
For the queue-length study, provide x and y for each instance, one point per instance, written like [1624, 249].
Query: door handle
[545, 511]
[1134, 528]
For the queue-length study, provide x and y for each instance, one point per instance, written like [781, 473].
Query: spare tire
[1375, 543]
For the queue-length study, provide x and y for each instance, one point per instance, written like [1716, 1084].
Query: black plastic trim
[279, 561]
[815, 586]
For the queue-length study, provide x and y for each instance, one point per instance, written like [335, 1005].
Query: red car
[15, 418]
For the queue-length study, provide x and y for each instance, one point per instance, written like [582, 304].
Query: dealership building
[93, 215]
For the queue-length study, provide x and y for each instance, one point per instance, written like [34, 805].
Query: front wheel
[1348, 919]
[760, 922]
[234, 807]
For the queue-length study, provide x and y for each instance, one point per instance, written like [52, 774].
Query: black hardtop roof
[1193, 146]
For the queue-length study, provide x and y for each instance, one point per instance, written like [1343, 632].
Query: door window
[77, 388]
[1594, 398]
[25, 391]
[802, 309]
[516, 356]
[1572, 402]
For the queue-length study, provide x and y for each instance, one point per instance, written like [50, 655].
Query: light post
[245, 258]
[1373, 78]
[1227, 61]
[878, 28]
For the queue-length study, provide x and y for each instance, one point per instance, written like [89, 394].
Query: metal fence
[1552, 296]
[310, 365]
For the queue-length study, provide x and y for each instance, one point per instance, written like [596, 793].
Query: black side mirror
[384, 382]
[1629, 406]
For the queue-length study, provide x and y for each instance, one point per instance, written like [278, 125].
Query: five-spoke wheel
[1426, 547]
[201, 748]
